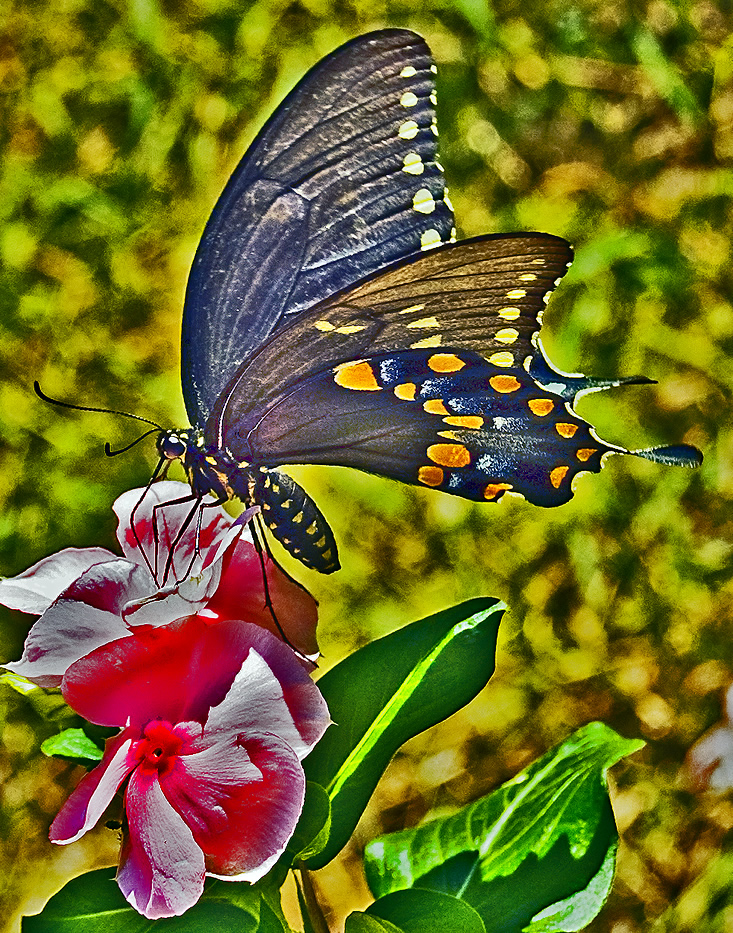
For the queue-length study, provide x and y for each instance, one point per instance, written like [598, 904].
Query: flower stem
[315, 921]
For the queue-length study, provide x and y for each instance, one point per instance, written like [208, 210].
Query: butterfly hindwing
[341, 181]
[446, 419]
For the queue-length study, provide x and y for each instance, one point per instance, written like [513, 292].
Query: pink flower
[89, 597]
[215, 721]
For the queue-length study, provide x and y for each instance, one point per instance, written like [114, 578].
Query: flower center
[159, 746]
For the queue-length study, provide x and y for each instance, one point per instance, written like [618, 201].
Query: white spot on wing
[413, 164]
[423, 201]
[430, 239]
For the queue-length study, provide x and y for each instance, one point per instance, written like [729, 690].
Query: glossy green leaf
[72, 743]
[92, 903]
[577, 911]
[312, 831]
[423, 911]
[271, 920]
[261, 899]
[359, 922]
[536, 854]
[389, 691]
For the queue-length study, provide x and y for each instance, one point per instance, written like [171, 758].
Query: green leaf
[577, 911]
[420, 911]
[389, 691]
[271, 920]
[359, 922]
[537, 854]
[312, 831]
[261, 900]
[72, 743]
[92, 903]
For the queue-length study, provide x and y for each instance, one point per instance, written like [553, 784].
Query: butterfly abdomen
[295, 520]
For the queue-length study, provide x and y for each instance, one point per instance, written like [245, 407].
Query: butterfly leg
[159, 472]
[263, 552]
[179, 534]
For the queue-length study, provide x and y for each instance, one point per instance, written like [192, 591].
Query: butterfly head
[179, 445]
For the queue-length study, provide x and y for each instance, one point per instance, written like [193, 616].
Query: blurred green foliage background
[609, 123]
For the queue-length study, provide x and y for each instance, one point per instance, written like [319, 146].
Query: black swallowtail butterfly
[331, 318]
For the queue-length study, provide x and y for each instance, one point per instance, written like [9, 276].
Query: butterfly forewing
[342, 181]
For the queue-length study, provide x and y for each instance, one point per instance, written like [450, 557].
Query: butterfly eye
[171, 446]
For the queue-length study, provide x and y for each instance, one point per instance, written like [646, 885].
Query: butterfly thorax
[209, 470]
[287, 510]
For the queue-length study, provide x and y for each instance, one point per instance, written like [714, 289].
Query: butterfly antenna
[123, 450]
[105, 411]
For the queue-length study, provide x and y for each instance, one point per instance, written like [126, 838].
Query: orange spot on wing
[541, 406]
[465, 421]
[358, 376]
[406, 391]
[449, 455]
[445, 363]
[585, 453]
[565, 429]
[430, 475]
[493, 490]
[504, 384]
[558, 475]
[435, 407]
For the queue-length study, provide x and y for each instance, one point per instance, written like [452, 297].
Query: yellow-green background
[610, 123]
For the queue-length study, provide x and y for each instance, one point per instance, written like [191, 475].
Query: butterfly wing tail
[684, 455]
